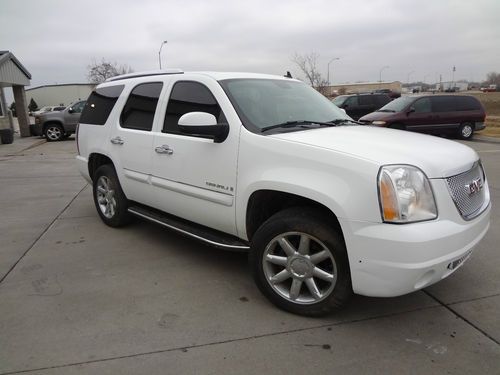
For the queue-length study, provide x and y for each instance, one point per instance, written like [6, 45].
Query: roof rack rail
[145, 74]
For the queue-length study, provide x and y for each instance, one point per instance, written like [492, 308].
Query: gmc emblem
[474, 186]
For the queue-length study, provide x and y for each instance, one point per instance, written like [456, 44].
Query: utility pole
[328, 69]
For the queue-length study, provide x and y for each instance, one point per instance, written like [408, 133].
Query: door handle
[117, 141]
[164, 149]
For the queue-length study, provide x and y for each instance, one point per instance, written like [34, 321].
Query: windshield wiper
[293, 124]
[340, 121]
[385, 110]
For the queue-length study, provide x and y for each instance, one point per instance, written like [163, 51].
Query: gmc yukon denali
[265, 164]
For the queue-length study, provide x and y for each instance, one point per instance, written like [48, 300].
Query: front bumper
[388, 260]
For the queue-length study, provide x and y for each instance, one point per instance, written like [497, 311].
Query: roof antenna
[288, 74]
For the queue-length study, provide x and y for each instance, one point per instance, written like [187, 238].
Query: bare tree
[308, 65]
[492, 78]
[100, 71]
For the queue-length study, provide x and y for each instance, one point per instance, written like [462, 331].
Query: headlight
[378, 123]
[405, 195]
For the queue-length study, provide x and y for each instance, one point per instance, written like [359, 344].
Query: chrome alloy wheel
[300, 268]
[54, 133]
[466, 131]
[106, 197]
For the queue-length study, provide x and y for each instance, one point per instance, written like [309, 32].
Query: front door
[193, 177]
[420, 119]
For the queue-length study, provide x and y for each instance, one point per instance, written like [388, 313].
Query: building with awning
[14, 74]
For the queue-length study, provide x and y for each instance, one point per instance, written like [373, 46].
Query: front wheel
[300, 263]
[466, 131]
[109, 199]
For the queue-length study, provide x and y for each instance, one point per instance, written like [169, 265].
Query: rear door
[446, 118]
[131, 140]
[196, 178]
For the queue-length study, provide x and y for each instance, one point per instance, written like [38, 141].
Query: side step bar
[199, 232]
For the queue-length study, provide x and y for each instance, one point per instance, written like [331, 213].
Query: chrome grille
[468, 203]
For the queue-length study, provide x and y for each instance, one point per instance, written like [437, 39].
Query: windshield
[339, 100]
[397, 105]
[265, 102]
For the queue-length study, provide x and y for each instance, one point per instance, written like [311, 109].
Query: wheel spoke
[101, 190]
[101, 200]
[304, 245]
[106, 210]
[295, 289]
[274, 259]
[323, 275]
[319, 257]
[280, 277]
[287, 246]
[311, 285]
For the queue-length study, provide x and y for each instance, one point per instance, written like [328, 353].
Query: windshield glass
[265, 102]
[339, 100]
[397, 105]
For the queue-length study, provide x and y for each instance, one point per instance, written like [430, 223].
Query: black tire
[111, 205]
[293, 224]
[6, 136]
[466, 131]
[53, 132]
[397, 126]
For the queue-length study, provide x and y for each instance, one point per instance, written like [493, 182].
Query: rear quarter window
[99, 105]
[467, 103]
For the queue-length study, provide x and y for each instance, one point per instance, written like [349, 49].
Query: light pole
[380, 72]
[159, 52]
[328, 69]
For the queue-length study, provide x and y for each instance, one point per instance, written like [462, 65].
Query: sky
[414, 40]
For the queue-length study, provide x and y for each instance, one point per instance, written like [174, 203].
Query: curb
[485, 139]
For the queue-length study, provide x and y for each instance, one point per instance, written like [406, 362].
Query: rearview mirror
[204, 124]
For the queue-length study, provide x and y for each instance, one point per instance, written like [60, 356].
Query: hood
[378, 116]
[437, 157]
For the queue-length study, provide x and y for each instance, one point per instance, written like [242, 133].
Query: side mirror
[71, 110]
[345, 106]
[343, 110]
[410, 110]
[204, 124]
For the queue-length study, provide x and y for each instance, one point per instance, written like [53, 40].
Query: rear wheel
[109, 199]
[466, 131]
[54, 132]
[299, 262]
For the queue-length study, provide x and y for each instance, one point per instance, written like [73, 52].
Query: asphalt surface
[78, 297]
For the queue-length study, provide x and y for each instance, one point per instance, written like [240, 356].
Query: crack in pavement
[467, 321]
[41, 234]
[247, 338]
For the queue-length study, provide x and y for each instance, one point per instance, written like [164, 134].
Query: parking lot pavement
[78, 297]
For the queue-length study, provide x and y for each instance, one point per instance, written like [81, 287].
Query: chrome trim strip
[132, 211]
[141, 177]
[193, 191]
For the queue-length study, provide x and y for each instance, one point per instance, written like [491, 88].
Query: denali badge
[474, 186]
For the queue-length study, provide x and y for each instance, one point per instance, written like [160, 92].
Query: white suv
[267, 164]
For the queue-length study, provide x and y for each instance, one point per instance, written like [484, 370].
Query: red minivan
[435, 114]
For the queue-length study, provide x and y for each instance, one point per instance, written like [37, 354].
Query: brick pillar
[22, 110]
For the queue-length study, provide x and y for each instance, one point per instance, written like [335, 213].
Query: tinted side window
[189, 97]
[78, 107]
[422, 105]
[365, 100]
[466, 103]
[352, 101]
[382, 100]
[443, 104]
[99, 105]
[139, 111]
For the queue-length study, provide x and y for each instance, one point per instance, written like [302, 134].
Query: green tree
[33, 106]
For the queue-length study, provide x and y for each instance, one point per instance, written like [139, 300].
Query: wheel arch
[51, 122]
[96, 160]
[264, 203]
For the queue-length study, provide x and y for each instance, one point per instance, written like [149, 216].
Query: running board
[199, 232]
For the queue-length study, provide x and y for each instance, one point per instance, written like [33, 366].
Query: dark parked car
[358, 105]
[392, 94]
[436, 114]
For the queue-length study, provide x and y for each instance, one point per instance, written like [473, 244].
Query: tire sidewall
[121, 216]
[318, 226]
